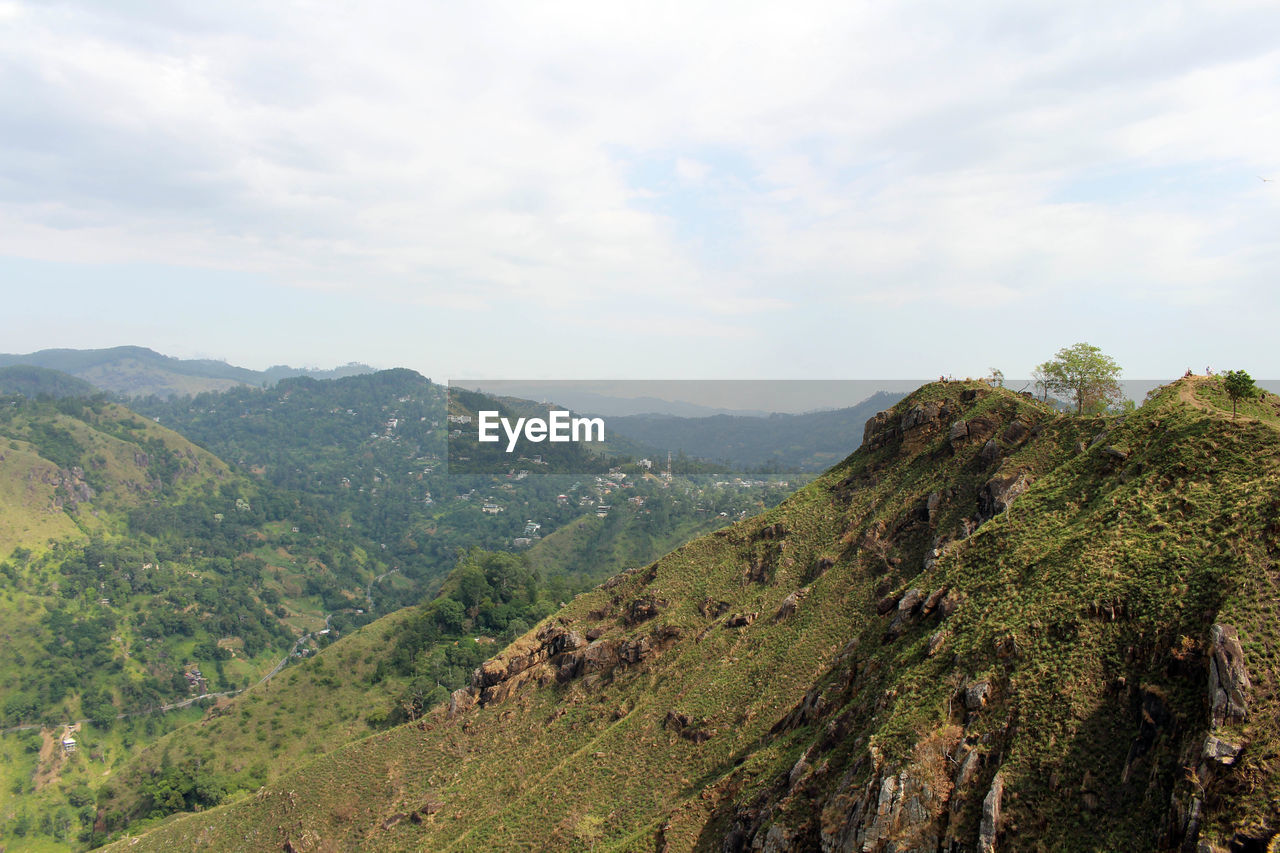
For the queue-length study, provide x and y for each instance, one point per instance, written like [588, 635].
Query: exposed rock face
[1220, 751]
[557, 654]
[1228, 677]
[991, 816]
[1000, 492]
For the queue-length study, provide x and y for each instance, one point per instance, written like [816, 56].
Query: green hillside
[992, 627]
[138, 573]
[36, 381]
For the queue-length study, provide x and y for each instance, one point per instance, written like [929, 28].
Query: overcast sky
[840, 190]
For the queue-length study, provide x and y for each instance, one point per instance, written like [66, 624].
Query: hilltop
[992, 627]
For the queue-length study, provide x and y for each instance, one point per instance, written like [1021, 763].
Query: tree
[1084, 372]
[1239, 386]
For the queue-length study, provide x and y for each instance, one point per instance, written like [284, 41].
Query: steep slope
[991, 627]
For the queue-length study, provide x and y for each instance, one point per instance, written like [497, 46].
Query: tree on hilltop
[1085, 374]
[1239, 386]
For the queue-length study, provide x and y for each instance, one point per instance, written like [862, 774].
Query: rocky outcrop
[556, 654]
[1219, 753]
[1000, 492]
[1228, 677]
[991, 816]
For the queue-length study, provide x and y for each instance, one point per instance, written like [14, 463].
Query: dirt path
[1187, 393]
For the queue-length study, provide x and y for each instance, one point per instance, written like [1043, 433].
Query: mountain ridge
[139, 371]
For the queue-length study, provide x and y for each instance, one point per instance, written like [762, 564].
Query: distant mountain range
[141, 372]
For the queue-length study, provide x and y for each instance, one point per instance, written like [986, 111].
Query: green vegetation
[1239, 386]
[31, 381]
[138, 573]
[987, 589]
[1090, 377]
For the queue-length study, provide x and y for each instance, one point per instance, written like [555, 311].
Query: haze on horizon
[583, 190]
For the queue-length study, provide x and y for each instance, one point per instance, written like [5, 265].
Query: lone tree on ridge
[1084, 374]
[1239, 386]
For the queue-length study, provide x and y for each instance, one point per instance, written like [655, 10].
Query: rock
[968, 767]
[773, 531]
[1015, 432]
[878, 431]
[1000, 492]
[790, 605]
[931, 505]
[959, 432]
[644, 608]
[713, 609]
[920, 415]
[931, 603]
[935, 642]
[460, 700]
[886, 604]
[1228, 677]
[1115, 452]
[976, 695]
[910, 600]
[1220, 751]
[990, 451]
[740, 620]
[990, 825]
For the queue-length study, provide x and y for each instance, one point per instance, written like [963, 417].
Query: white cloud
[467, 153]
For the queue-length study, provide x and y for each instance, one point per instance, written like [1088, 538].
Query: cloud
[724, 160]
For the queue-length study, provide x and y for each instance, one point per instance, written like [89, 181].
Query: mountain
[133, 371]
[813, 441]
[31, 381]
[991, 627]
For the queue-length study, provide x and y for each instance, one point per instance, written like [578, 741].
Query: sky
[662, 190]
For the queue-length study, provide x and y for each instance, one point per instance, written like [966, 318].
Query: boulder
[976, 695]
[1220, 751]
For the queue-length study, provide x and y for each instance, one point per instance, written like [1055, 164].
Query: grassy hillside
[992, 625]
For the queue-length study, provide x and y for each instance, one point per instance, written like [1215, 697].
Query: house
[492, 509]
[522, 542]
[68, 745]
